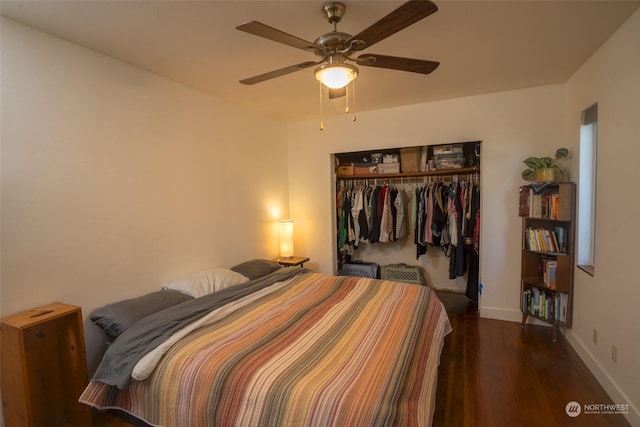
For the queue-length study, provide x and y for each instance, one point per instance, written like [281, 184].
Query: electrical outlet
[614, 353]
[595, 336]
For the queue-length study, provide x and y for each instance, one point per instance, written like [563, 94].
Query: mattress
[316, 350]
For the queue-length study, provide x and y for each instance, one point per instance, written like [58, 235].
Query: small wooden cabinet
[44, 368]
[548, 225]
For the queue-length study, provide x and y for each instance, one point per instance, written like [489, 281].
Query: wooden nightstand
[44, 367]
[292, 261]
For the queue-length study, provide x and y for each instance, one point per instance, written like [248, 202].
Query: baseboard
[508, 315]
[500, 314]
[612, 389]
[455, 291]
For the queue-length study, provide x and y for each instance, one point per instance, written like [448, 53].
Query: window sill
[589, 269]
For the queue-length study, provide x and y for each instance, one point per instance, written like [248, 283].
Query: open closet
[418, 206]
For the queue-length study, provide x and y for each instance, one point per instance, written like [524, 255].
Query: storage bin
[390, 158]
[345, 170]
[449, 163]
[360, 269]
[448, 149]
[410, 159]
[365, 169]
[402, 273]
[384, 168]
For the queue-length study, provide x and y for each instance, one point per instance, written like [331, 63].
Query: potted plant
[545, 169]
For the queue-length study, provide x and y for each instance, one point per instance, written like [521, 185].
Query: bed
[288, 348]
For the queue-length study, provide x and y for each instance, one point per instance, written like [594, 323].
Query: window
[587, 189]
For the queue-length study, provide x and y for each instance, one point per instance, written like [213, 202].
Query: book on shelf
[542, 237]
[561, 237]
[550, 306]
[544, 240]
[550, 271]
[524, 304]
[555, 202]
[531, 240]
[546, 206]
[556, 246]
[542, 266]
[538, 205]
[550, 206]
[524, 204]
[551, 241]
[540, 243]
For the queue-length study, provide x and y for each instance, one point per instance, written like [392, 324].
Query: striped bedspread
[320, 351]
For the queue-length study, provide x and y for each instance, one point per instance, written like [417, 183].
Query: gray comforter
[147, 333]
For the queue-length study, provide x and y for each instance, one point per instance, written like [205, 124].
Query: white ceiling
[483, 46]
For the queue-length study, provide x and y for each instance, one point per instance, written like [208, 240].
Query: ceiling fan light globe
[336, 76]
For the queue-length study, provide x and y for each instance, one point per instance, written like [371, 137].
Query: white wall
[512, 126]
[608, 301]
[115, 181]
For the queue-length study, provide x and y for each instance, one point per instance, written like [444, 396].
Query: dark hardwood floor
[108, 420]
[493, 373]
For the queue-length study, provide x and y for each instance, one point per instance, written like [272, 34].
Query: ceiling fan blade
[337, 93]
[277, 73]
[261, 30]
[396, 63]
[404, 16]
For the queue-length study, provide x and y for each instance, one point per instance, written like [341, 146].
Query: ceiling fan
[336, 48]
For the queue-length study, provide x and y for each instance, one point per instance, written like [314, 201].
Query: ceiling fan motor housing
[333, 11]
[333, 42]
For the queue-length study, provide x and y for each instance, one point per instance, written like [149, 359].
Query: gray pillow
[115, 318]
[256, 268]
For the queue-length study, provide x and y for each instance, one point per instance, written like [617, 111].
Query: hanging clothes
[472, 245]
[460, 265]
[342, 227]
[368, 214]
[400, 205]
[428, 230]
[376, 214]
[357, 206]
[448, 216]
[365, 214]
[439, 227]
[385, 217]
[419, 223]
[394, 214]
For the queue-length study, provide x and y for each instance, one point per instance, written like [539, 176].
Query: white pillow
[206, 282]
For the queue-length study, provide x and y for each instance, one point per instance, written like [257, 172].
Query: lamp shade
[286, 238]
[337, 75]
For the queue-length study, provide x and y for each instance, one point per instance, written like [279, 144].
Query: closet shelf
[441, 172]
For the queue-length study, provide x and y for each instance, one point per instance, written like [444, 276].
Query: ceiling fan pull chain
[321, 115]
[346, 93]
[353, 96]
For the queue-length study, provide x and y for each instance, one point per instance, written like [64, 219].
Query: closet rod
[441, 172]
[381, 179]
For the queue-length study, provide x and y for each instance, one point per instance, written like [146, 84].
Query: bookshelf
[548, 230]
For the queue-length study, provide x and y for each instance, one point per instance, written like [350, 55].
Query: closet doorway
[418, 206]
